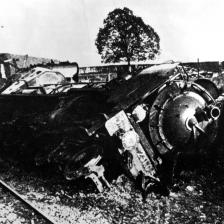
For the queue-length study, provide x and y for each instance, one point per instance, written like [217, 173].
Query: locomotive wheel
[75, 168]
[173, 122]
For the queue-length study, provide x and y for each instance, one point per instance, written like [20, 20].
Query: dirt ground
[197, 197]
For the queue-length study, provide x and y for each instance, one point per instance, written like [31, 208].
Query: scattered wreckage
[138, 124]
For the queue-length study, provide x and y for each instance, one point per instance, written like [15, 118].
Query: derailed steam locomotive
[89, 130]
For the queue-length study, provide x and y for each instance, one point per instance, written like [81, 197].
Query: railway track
[26, 202]
[38, 199]
[68, 204]
[22, 199]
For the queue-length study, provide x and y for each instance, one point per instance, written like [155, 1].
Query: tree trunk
[129, 65]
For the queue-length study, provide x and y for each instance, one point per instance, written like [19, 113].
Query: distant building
[12, 63]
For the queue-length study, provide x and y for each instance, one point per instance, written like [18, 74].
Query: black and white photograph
[111, 112]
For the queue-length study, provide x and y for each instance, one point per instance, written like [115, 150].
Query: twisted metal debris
[138, 125]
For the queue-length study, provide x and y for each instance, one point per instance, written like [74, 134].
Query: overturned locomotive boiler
[90, 130]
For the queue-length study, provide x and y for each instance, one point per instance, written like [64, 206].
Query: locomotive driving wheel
[182, 116]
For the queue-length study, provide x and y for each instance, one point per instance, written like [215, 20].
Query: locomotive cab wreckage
[84, 130]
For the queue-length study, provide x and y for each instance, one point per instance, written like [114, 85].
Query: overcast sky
[67, 29]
